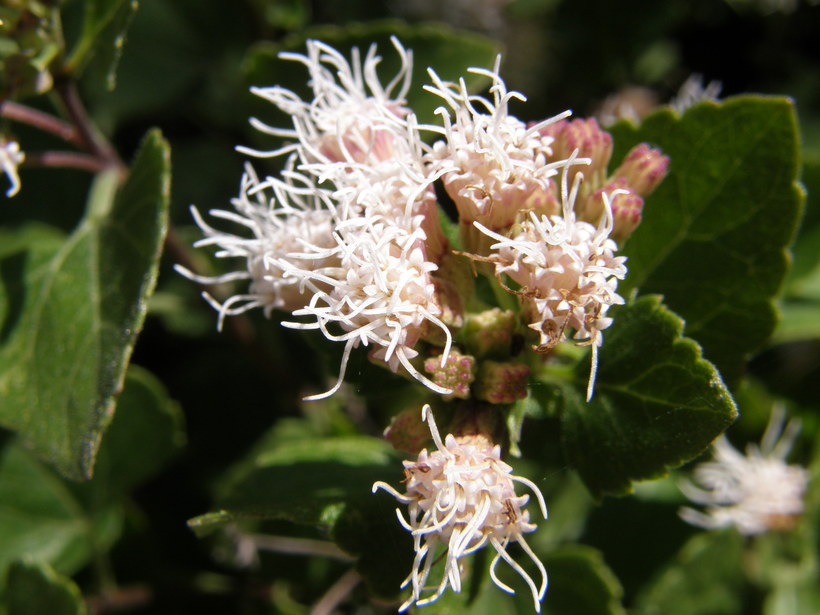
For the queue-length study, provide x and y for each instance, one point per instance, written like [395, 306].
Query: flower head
[380, 293]
[462, 496]
[756, 492]
[351, 118]
[275, 220]
[492, 164]
[567, 272]
[11, 157]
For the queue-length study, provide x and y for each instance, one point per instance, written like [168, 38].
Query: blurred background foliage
[204, 398]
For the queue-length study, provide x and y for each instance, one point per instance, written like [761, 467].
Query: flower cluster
[11, 157]
[349, 239]
[353, 259]
[756, 492]
[462, 496]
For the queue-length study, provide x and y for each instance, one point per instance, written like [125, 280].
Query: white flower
[462, 496]
[351, 236]
[351, 117]
[492, 164]
[756, 492]
[10, 159]
[693, 91]
[567, 272]
[275, 227]
[380, 294]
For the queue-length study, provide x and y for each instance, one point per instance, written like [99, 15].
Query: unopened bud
[490, 333]
[643, 168]
[457, 373]
[501, 383]
[627, 207]
[407, 432]
[587, 137]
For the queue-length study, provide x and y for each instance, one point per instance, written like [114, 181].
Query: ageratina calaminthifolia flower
[349, 240]
[756, 492]
[461, 497]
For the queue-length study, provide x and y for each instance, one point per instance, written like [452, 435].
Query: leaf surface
[657, 402]
[715, 234]
[72, 310]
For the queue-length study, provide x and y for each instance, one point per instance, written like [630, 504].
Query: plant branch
[41, 120]
[339, 591]
[70, 160]
[299, 546]
[92, 142]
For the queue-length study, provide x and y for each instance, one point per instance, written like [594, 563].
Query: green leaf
[105, 24]
[801, 307]
[806, 255]
[47, 519]
[36, 589]
[581, 583]
[714, 236]
[325, 483]
[449, 52]
[71, 313]
[657, 402]
[144, 433]
[40, 518]
[706, 578]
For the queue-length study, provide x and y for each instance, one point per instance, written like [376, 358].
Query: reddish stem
[43, 121]
[70, 160]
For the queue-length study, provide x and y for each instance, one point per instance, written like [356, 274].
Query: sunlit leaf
[72, 311]
[40, 517]
[48, 519]
[714, 235]
[657, 402]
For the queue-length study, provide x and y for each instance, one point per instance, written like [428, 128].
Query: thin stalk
[42, 121]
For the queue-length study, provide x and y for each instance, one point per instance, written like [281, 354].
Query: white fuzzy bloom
[567, 271]
[11, 157]
[352, 116]
[492, 164]
[274, 219]
[756, 492]
[379, 294]
[351, 236]
[462, 496]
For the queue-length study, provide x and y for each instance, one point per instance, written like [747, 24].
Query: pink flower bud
[501, 383]
[643, 168]
[407, 432]
[457, 373]
[586, 136]
[626, 205]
